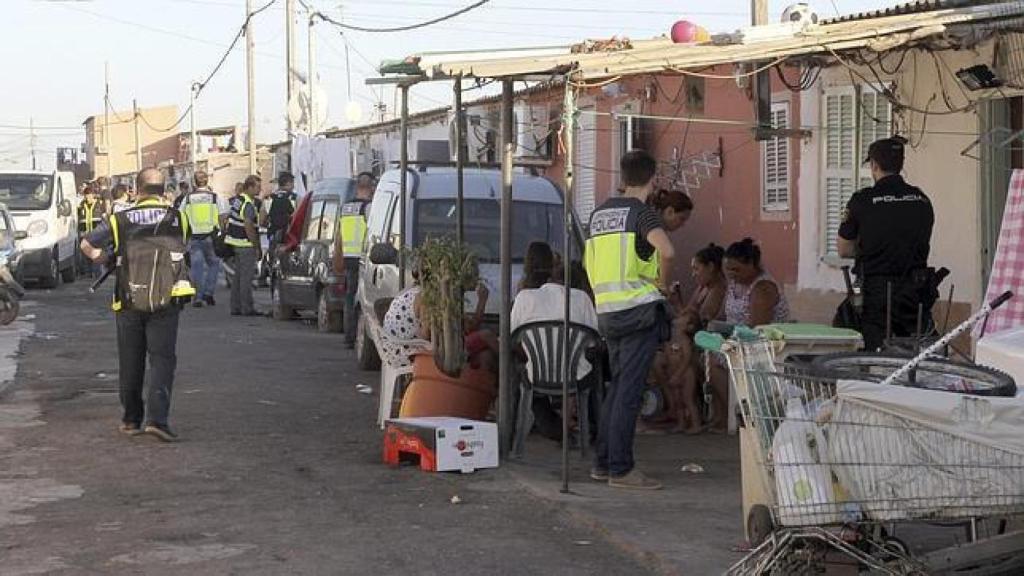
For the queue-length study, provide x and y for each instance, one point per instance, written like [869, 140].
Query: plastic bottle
[804, 486]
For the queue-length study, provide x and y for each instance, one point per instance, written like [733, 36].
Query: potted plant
[442, 383]
[447, 270]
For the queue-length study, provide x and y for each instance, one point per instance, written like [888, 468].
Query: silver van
[431, 201]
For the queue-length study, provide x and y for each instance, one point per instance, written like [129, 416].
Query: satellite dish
[298, 108]
[353, 112]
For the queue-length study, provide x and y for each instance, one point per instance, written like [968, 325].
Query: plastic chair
[542, 344]
[392, 370]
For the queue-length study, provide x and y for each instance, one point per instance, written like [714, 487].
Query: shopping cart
[841, 465]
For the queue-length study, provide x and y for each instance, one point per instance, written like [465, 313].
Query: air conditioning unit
[533, 130]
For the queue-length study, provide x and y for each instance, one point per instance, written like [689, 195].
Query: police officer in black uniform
[887, 229]
[153, 331]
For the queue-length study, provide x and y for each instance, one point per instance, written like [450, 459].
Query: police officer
[353, 234]
[91, 212]
[242, 234]
[626, 235]
[281, 207]
[201, 209]
[887, 228]
[145, 325]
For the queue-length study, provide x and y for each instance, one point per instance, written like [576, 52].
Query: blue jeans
[205, 266]
[630, 358]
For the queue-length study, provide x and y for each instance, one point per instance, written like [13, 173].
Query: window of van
[26, 191]
[531, 222]
[329, 221]
[315, 221]
[376, 220]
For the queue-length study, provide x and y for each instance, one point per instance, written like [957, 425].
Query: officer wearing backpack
[148, 244]
[200, 207]
[282, 206]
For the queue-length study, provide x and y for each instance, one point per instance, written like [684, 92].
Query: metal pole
[32, 139]
[505, 412]
[138, 141]
[403, 166]
[106, 116]
[311, 80]
[193, 143]
[568, 124]
[460, 159]
[289, 34]
[250, 72]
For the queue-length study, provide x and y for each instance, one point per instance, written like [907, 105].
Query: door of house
[998, 160]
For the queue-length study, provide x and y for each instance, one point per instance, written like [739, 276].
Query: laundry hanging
[1008, 266]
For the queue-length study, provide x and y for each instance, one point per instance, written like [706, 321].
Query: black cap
[887, 151]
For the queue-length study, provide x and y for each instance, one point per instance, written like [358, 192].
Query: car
[304, 279]
[431, 204]
[43, 206]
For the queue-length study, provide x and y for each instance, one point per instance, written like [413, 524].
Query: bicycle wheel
[932, 374]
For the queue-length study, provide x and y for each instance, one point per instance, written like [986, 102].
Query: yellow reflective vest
[236, 235]
[353, 228]
[200, 207]
[620, 278]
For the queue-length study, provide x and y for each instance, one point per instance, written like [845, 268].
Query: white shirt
[548, 303]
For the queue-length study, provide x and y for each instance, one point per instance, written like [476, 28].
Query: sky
[54, 53]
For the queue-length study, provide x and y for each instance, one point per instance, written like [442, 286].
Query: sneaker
[635, 480]
[599, 474]
[197, 304]
[162, 432]
[209, 301]
[130, 428]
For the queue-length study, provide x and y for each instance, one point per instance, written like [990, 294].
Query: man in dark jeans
[140, 333]
[628, 260]
[353, 234]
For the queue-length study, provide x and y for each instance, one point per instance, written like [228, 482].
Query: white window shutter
[840, 167]
[583, 166]
[775, 164]
[875, 124]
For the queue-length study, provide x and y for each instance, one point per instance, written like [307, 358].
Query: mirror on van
[20, 235]
[64, 210]
[383, 253]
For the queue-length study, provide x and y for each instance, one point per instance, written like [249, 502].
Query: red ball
[684, 32]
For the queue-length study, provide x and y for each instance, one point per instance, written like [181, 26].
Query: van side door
[377, 231]
[66, 219]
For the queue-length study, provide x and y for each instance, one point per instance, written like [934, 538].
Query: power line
[431, 22]
[532, 8]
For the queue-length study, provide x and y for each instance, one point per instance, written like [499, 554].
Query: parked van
[304, 279]
[43, 205]
[431, 204]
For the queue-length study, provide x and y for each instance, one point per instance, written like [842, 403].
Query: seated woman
[677, 365]
[753, 298]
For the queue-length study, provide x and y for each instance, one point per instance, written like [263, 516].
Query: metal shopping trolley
[841, 465]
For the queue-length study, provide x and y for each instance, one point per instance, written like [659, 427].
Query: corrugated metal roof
[915, 7]
[660, 55]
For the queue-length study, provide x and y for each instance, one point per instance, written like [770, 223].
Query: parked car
[305, 279]
[11, 290]
[43, 206]
[431, 204]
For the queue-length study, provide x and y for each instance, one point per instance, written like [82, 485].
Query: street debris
[582, 542]
[456, 500]
[692, 468]
[267, 402]
[364, 389]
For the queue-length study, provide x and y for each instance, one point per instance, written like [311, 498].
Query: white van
[43, 207]
[536, 216]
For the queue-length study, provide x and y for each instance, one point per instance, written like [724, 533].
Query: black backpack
[151, 262]
[281, 210]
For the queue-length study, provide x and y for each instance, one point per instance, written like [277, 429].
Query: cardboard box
[441, 444]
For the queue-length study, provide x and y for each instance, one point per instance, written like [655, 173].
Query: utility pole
[311, 80]
[106, 116]
[138, 141]
[289, 33]
[250, 70]
[193, 144]
[763, 80]
[32, 139]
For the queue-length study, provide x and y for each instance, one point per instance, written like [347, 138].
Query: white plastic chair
[394, 364]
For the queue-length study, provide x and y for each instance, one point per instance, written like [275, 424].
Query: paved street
[278, 470]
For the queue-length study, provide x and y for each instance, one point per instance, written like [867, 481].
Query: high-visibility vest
[236, 235]
[353, 228]
[148, 218]
[200, 207]
[89, 216]
[620, 278]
